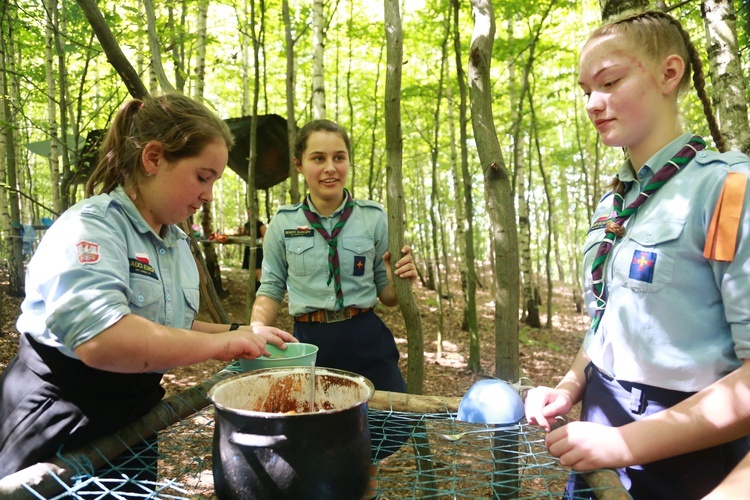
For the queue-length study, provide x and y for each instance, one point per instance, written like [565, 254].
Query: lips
[602, 122]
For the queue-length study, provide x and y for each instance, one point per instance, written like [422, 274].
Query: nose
[208, 195]
[328, 166]
[595, 103]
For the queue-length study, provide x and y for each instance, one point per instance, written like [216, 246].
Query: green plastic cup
[295, 354]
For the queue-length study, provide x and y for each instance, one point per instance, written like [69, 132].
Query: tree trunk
[725, 68]
[470, 301]
[395, 198]
[435, 199]
[49, 69]
[550, 212]
[251, 202]
[318, 77]
[499, 199]
[8, 78]
[291, 120]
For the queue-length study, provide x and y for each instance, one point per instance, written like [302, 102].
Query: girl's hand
[405, 267]
[543, 404]
[586, 446]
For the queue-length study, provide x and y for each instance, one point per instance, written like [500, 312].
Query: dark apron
[50, 402]
[364, 345]
[689, 476]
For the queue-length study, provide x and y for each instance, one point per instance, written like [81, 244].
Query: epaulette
[290, 208]
[369, 204]
[721, 239]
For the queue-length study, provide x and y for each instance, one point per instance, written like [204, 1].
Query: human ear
[672, 70]
[150, 156]
[297, 164]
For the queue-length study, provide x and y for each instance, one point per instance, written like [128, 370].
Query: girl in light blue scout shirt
[330, 253]
[663, 370]
[112, 290]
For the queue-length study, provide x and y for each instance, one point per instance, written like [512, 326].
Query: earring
[149, 174]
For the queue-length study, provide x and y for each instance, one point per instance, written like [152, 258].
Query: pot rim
[370, 387]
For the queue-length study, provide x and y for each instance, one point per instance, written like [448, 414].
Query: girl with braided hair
[663, 369]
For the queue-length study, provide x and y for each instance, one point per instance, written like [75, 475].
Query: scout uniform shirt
[99, 262]
[296, 258]
[673, 319]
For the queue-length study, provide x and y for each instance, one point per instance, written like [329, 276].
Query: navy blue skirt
[689, 476]
[363, 345]
[50, 402]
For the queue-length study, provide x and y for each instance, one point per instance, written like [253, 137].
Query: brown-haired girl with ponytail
[662, 375]
[112, 292]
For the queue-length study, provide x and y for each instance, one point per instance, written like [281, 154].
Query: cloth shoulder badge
[88, 252]
[642, 266]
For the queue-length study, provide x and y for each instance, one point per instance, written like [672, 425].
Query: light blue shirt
[295, 258]
[99, 262]
[673, 319]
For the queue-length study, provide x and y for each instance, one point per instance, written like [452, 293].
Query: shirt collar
[656, 162]
[335, 213]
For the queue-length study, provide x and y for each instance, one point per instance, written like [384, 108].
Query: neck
[640, 155]
[326, 206]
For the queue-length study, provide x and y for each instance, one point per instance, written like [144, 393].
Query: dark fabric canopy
[271, 165]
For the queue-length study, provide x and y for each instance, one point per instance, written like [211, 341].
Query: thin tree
[394, 153]
[470, 322]
[50, 7]
[725, 69]
[291, 120]
[256, 34]
[318, 77]
[499, 198]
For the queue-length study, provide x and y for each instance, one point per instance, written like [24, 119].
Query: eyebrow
[602, 70]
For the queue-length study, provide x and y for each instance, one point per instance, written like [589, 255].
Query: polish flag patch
[142, 257]
[88, 252]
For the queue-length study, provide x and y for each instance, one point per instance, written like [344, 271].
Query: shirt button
[642, 172]
[169, 297]
[140, 299]
[298, 249]
[702, 154]
[162, 251]
[359, 249]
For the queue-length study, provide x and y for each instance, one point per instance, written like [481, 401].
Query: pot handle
[255, 440]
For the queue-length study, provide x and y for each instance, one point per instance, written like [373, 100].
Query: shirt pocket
[300, 256]
[646, 260]
[147, 299]
[192, 305]
[356, 256]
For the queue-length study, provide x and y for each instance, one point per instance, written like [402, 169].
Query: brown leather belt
[326, 316]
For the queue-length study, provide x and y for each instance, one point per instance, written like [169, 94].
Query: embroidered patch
[359, 265]
[599, 223]
[642, 266]
[299, 232]
[88, 252]
[142, 257]
[142, 268]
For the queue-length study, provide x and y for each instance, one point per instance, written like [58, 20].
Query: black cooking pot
[269, 445]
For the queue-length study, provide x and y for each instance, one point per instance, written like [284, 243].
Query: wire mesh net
[423, 455]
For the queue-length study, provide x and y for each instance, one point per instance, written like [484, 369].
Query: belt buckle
[335, 316]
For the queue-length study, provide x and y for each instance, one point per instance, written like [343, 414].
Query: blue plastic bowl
[491, 401]
[295, 354]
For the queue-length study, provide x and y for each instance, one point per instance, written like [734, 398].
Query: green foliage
[355, 83]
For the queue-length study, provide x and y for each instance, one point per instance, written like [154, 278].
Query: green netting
[508, 463]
